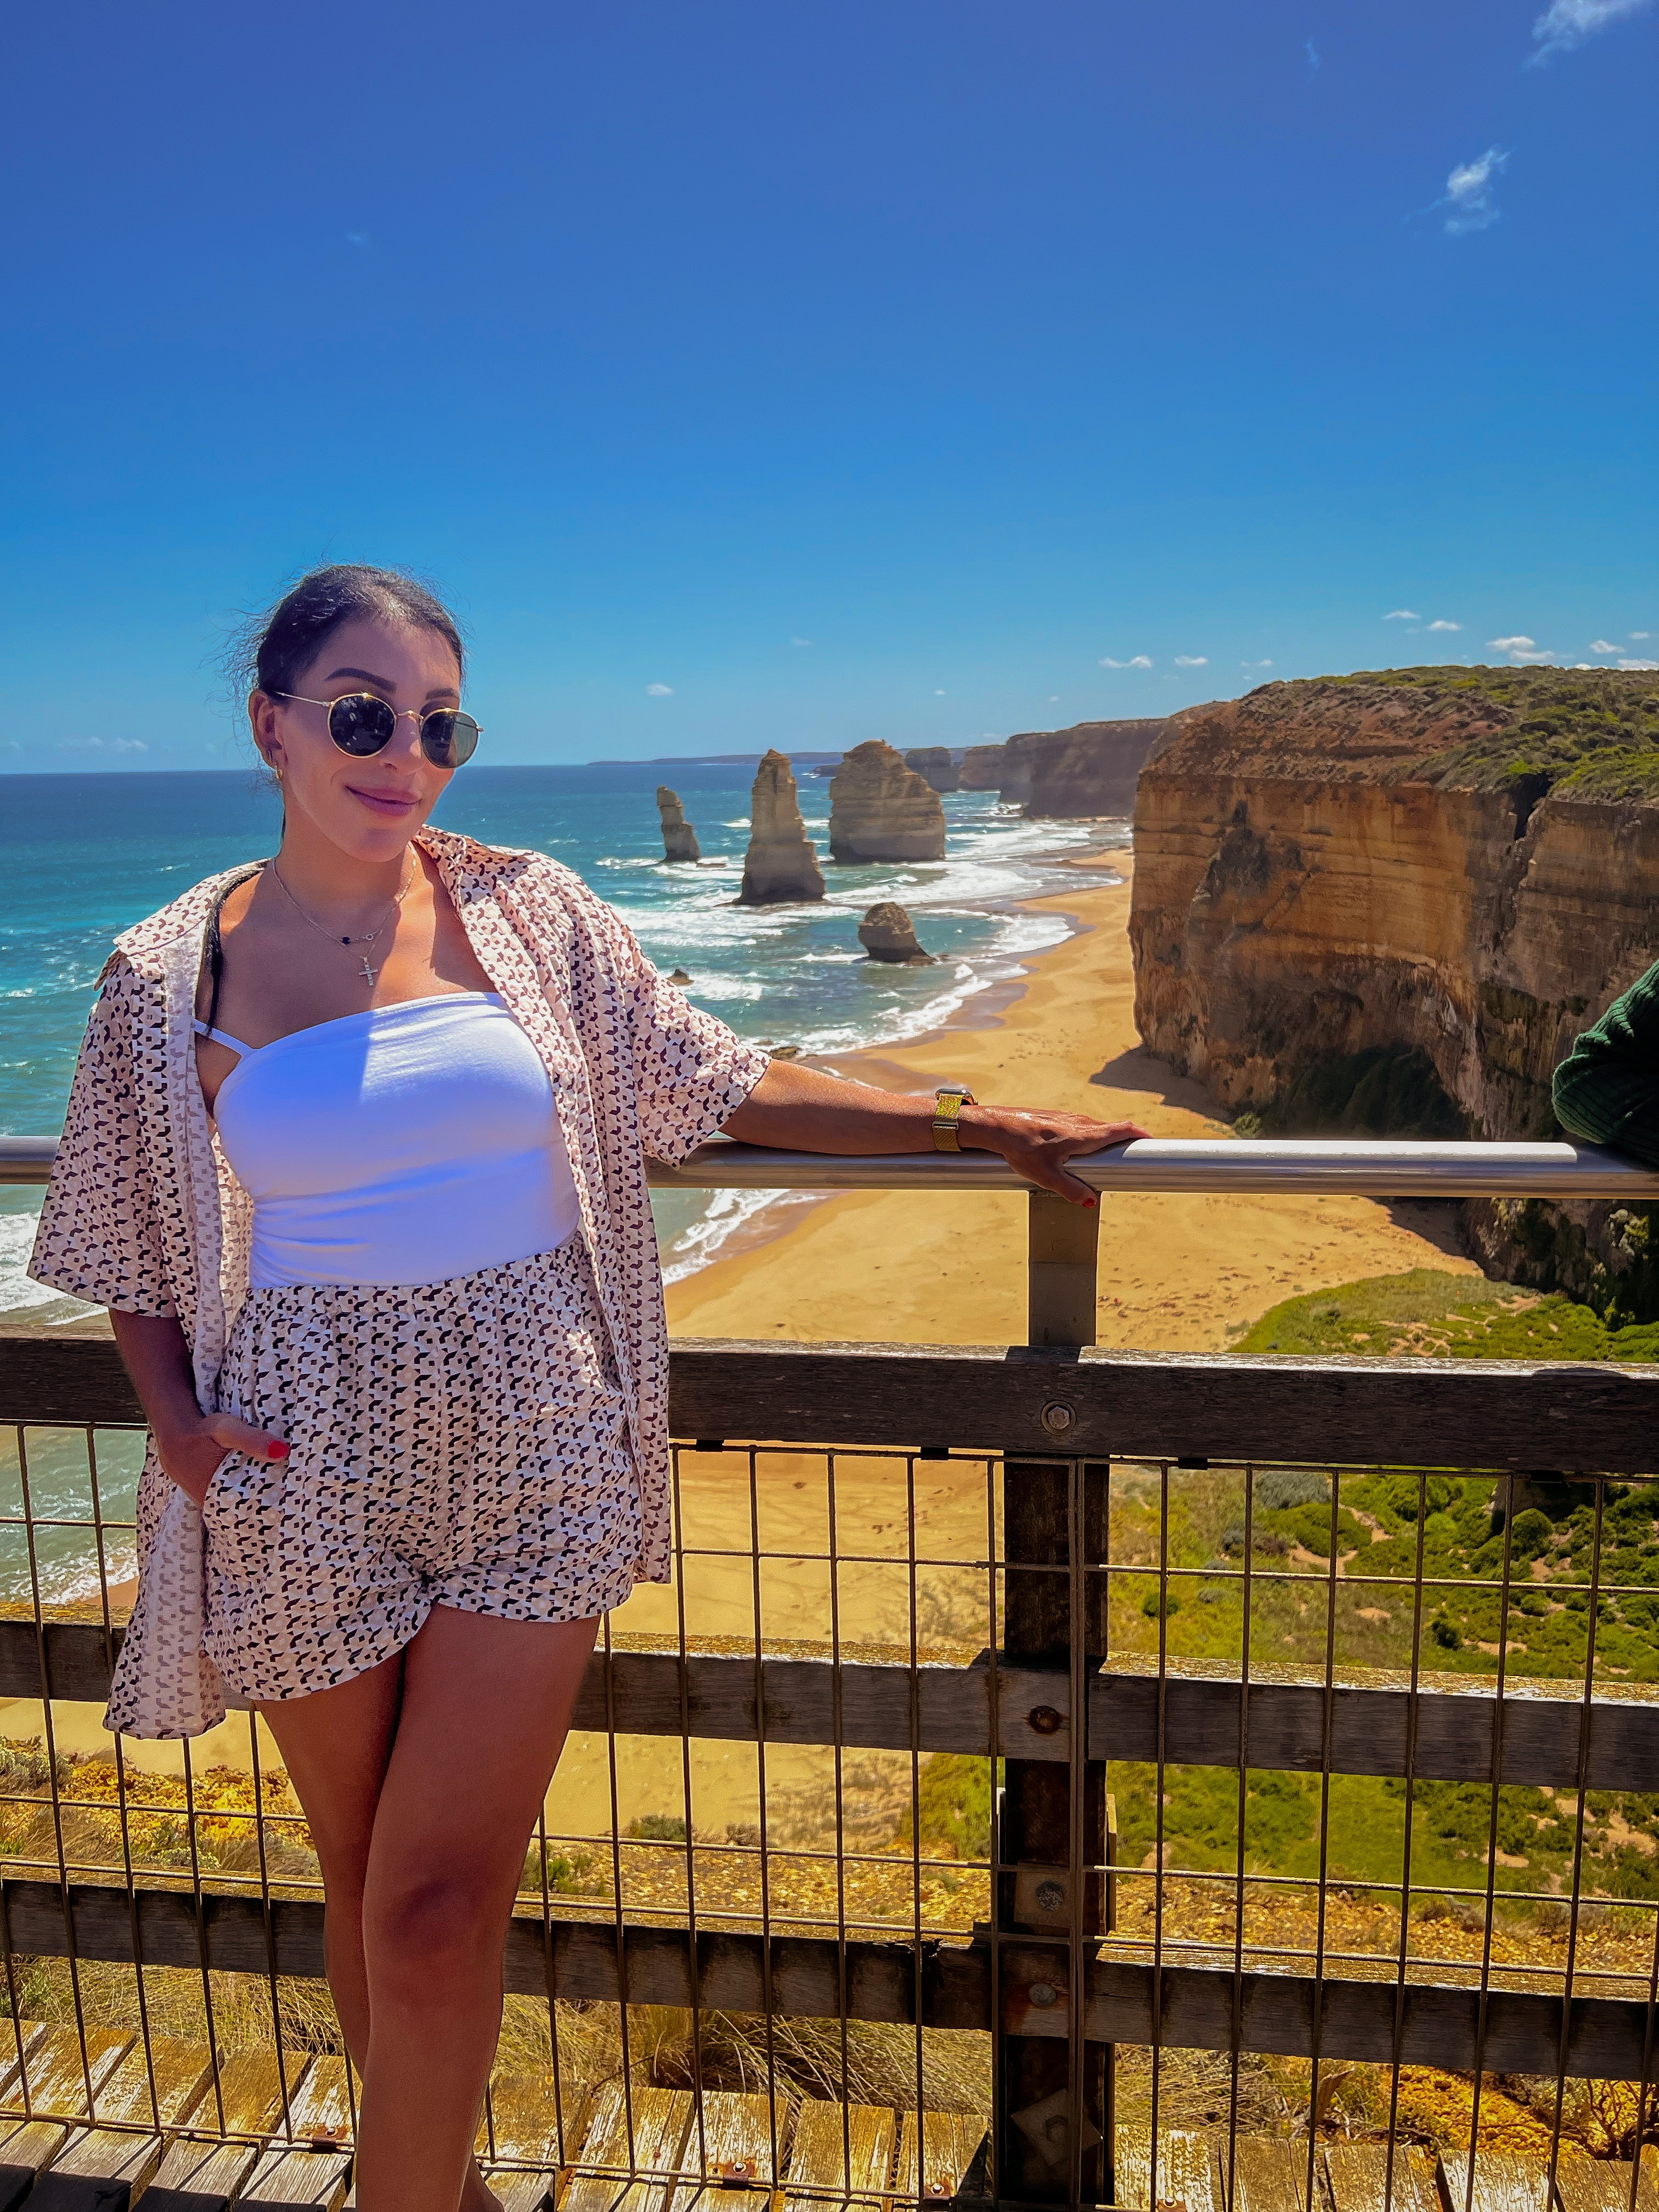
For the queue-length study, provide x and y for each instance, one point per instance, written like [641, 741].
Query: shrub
[1446, 1633]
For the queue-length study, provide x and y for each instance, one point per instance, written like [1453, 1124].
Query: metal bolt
[1042, 1994]
[730, 2171]
[1058, 1417]
[946, 2187]
[1043, 1720]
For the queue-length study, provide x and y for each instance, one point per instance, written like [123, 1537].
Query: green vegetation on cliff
[1435, 1315]
[1587, 733]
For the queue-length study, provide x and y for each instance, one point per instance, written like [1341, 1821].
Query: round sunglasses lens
[449, 739]
[361, 725]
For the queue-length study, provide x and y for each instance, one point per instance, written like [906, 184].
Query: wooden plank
[524, 2121]
[24, 2147]
[1600, 2184]
[1189, 2173]
[819, 2160]
[1371, 1712]
[98, 2170]
[53, 2075]
[520, 2192]
[935, 2160]
[320, 2102]
[302, 2180]
[1502, 2183]
[18, 2039]
[251, 2089]
[1357, 2180]
[200, 2177]
[182, 2073]
[733, 2147]
[1269, 2175]
[1594, 1416]
[1589, 1416]
[660, 2119]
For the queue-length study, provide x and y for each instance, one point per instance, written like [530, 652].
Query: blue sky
[796, 375]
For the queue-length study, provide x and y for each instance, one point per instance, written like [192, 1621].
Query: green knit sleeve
[1606, 1088]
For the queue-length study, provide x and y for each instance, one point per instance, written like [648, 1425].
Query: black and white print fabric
[461, 1444]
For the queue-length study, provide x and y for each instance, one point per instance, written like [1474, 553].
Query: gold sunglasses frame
[415, 715]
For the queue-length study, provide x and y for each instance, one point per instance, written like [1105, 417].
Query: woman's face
[369, 807]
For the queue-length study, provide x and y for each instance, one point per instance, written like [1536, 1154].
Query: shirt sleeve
[692, 1073]
[1606, 1088]
[99, 1237]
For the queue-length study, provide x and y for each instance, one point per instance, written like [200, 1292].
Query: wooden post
[1062, 1244]
[1050, 1904]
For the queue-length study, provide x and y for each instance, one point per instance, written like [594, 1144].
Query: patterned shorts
[460, 1443]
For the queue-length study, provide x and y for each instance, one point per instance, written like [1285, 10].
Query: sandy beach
[1176, 1273]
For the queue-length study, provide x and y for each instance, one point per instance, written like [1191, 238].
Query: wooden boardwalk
[646, 2150]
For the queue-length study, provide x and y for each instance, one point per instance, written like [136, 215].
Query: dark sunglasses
[361, 724]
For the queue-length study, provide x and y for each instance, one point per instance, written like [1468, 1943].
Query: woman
[355, 1159]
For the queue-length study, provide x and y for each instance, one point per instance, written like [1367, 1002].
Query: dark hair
[273, 652]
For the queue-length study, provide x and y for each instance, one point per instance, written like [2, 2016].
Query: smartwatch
[948, 1103]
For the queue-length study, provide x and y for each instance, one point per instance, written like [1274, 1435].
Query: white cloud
[658, 690]
[1191, 660]
[1567, 23]
[1312, 52]
[1445, 625]
[1523, 651]
[938, 695]
[1601, 645]
[1509, 645]
[1402, 614]
[1639, 664]
[1468, 193]
[102, 746]
[1532, 660]
[801, 641]
[1255, 664]
[1054, 698]
[1139, 661]
[1640, 636]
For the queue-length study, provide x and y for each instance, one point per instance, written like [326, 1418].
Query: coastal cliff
[880, 810]
[679, 839]
[1064, 776]
[1390, 902]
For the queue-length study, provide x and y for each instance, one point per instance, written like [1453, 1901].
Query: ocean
[84, 856]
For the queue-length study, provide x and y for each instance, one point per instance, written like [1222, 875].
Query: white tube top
[407, 1144]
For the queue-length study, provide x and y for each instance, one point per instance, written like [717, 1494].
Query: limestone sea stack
[933, 762]
[679, 839]
[781, 868]
[879, 810]
[887, 933]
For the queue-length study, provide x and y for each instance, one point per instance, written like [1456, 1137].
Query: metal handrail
[1243, 1166]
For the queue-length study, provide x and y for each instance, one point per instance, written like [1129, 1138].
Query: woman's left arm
[799, 1110]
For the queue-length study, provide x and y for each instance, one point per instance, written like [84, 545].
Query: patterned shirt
[143, 1214]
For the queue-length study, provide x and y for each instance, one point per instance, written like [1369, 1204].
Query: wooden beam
[1456, 1714]
[1523, 2027]
[1569, 1416]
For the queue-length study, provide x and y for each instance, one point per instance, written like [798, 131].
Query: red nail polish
[279, 1451]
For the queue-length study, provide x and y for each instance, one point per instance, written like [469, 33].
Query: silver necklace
[369, 973]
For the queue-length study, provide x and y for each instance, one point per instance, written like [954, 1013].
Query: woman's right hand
[190, 1457]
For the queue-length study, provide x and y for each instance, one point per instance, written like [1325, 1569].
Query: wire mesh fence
[1057, 1829]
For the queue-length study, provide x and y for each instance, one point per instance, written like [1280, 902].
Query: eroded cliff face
[1329, 870]
[880, 810]
[1088, 769]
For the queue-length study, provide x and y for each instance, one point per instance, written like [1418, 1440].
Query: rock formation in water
[1370, 899]
[679, 839]
[781, 867]
[980, 769]
[935, 763]
[887, 933]
[879, 810]
[1070, 775]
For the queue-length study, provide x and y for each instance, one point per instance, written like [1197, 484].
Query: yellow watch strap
[947, 1106]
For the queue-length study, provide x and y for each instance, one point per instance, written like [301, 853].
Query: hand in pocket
[191, 1458]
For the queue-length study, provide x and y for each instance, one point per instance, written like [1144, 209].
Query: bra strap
[213, 950]
[222, 1037]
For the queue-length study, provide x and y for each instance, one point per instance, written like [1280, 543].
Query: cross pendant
[368, 972]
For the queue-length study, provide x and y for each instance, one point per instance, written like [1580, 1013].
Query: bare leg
[335, 1746]
[486, 1706]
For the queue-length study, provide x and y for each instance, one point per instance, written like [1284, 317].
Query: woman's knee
[426, 1933]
